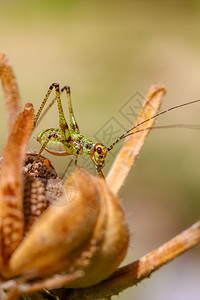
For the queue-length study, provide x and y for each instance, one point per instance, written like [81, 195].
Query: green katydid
[67, 140]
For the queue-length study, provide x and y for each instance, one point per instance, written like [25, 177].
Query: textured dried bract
[41, 169]
[42, 187]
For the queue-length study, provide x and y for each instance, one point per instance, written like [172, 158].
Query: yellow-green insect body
[77, 144]
[67, 140]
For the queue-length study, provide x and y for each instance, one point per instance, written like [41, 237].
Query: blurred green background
[107, 51]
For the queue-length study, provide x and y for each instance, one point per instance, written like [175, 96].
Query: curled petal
[133, 145]
[11, 184]
[10, 88]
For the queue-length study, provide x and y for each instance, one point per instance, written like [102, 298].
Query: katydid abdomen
[56, 145]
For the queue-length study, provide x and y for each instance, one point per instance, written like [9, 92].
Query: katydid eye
[99, 150]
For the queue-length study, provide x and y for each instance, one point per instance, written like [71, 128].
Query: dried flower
[72, 234]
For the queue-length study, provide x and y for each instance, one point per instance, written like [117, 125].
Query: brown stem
[135, 272]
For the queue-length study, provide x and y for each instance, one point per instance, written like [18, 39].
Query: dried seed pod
[87, 234]
[42, 169]
[42, 187]
[52, 237]
[34, 201]
[81, 238]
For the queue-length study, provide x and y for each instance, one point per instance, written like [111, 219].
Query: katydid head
[98, 154]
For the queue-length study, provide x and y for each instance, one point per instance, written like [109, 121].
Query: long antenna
[128, 132]
[186, 126]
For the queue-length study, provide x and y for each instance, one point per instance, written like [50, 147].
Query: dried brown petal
[11, 184]
[10, 87]
[133, 145]
[87, 233]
